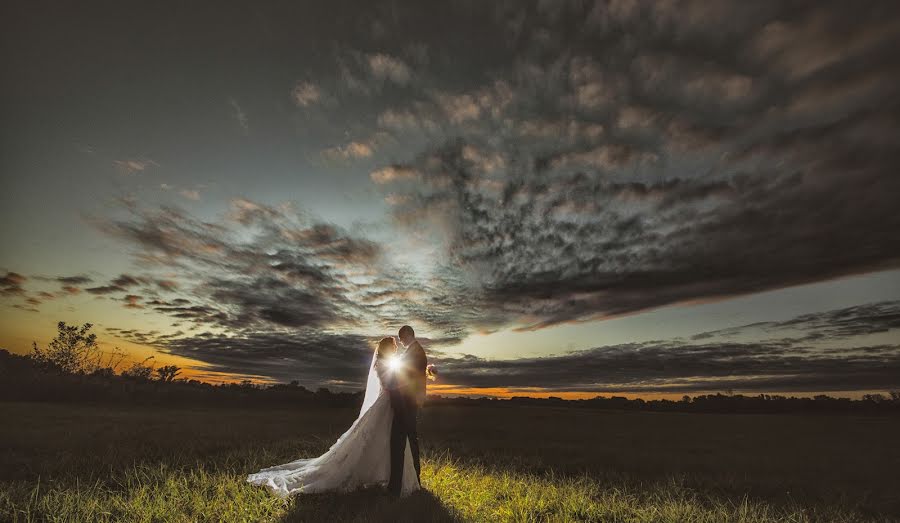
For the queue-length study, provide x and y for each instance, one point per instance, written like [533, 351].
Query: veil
[373, 387]
[359, 457]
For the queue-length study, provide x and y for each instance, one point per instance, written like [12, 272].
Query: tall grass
[96, 464]
[455, 491]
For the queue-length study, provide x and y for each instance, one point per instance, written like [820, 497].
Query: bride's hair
[385, 347]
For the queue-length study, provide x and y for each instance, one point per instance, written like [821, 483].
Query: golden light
[394, 363]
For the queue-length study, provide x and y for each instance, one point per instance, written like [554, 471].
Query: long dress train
[359, 458]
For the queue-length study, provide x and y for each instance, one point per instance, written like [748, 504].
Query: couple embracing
[381, 447]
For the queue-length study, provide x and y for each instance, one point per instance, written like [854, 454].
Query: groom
[407, 395]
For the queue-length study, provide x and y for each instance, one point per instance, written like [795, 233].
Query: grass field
[113, 463]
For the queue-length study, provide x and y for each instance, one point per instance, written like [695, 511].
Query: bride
[361, 456]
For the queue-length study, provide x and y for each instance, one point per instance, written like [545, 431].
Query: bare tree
[111, 363]
[140, 370]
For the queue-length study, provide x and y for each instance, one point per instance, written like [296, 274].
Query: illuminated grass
[454, 492]
[96, 463]
[478, 494]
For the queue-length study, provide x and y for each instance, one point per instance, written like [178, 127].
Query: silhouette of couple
[381, 447]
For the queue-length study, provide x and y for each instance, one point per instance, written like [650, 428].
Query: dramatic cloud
[538, 163]
[680, 368]
[860, 320]
[704, 155]
[313, 357]
[264, 267]
[317, 358]
[821, 355]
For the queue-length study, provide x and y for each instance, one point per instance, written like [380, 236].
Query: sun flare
[394, 363]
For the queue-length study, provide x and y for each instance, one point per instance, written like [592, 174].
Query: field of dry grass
[63, 462]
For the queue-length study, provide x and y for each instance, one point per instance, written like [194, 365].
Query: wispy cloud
[134, 165]
[387, 67]
[74, 280]
[11, 284]
[305, 94]
[190, 194]
[349, 151]
[393, 173]
[132, 301]
[849, 322]
[239, 115]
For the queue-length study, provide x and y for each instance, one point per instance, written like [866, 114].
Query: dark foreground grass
[110, 463]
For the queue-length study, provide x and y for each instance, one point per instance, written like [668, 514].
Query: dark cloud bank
[654, 154]
[790, 363]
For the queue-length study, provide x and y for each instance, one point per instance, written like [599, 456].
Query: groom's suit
[407, 394]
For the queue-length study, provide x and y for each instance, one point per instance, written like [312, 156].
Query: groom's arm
[421, 381]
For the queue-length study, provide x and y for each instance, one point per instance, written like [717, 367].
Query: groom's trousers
[403, 428]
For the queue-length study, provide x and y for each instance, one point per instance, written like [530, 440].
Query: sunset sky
[562, 198]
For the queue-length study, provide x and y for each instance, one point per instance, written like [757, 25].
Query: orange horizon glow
[197, 370]
[539, 393]
[137, 353]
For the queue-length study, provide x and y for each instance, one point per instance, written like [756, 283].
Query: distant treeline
[718, 403]
[23, 378]
[73, 368]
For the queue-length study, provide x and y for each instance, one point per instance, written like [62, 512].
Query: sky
[562, 198]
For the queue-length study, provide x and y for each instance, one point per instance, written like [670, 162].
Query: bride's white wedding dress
[360, 457]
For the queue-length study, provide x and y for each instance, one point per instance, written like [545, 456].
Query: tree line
[711, 403]
[73, 368]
